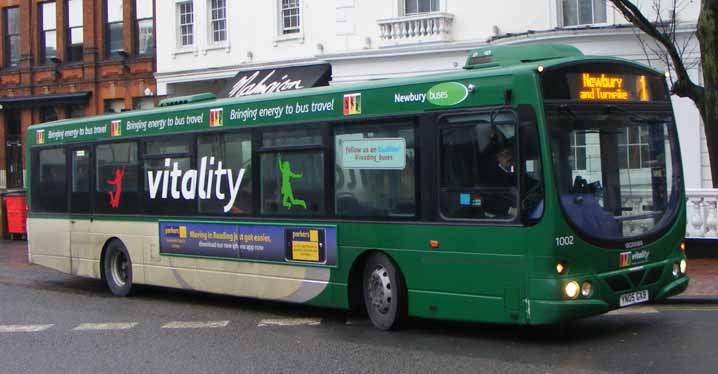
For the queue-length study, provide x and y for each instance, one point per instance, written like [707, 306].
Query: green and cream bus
[534, 186]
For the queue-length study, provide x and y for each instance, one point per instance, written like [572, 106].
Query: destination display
[245, 241]
[603, 83]
[608, 87]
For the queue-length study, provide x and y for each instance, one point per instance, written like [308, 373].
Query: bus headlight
[571, 289]
[675, 270]
[586, 289]
[683, 266]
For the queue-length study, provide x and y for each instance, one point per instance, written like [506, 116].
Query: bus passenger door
[81, 251]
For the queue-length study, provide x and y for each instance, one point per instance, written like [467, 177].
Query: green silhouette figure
[288, 199]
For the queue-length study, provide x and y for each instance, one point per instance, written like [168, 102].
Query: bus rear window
[49, 181]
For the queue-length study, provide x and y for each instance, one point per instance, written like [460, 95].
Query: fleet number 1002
[562, 241]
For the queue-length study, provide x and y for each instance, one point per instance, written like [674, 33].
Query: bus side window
[49, 183]
[292, 180]
[235, 152]
[375, 171]
[478, 175]
[117, 178]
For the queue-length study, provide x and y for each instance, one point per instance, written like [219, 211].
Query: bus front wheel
[384, 292]
[117, 267]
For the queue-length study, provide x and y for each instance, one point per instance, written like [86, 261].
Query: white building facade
[203, 44]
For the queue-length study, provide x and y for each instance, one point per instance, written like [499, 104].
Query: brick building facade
[70, 58]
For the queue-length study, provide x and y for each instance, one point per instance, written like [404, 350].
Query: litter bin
[16, 207]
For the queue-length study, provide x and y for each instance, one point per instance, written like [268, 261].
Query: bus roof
[507, 61]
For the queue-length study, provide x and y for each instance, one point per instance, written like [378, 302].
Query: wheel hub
[119, 265]
[379, 288]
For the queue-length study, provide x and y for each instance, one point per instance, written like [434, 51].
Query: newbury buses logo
[40, 137]
[447, 94]
[215, 117]
[116, 130]
[352, 104]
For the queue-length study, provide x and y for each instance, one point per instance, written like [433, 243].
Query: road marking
[634, 310]
[688, 308]
[23, 328]
[105, 326]
[195, 325]
[290, 322]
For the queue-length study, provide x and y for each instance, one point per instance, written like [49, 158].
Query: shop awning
[45, 100]
[265, 81]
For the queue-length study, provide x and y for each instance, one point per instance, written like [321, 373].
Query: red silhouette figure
[117, 182]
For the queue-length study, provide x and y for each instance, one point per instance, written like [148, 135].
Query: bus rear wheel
[384, 292]
[117, 267]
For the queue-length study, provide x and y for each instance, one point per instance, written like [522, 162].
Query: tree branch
[683, 86]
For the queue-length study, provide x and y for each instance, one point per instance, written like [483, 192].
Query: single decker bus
[534, 186]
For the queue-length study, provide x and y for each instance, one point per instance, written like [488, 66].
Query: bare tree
[663, 33]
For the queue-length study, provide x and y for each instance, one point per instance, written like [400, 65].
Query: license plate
[633, 298]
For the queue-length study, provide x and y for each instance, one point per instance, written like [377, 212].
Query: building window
[75, 36]
[75, 111]
[114, 105]
[185, 18]
[114, 26]
[218, 12]
[633, 148]
[291, 22]
[145, 29]
[12, 37]
[583, 12]
[577, 157]
[48, 34]
[144, 102]
[412, 7]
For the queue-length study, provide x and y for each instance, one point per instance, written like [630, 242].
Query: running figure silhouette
[117, 182]
[288, 199]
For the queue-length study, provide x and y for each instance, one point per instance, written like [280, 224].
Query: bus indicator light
[561, 267]
[434, 244]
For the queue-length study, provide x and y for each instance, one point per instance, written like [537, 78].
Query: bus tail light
[571, 289]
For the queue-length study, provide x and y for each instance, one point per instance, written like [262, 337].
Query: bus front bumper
[553, 311]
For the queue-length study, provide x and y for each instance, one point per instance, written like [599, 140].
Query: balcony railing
[421, 28]
[702, 215]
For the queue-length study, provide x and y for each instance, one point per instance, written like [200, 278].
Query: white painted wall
[346, 34]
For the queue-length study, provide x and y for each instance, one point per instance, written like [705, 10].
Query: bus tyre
[384, 292]
[117, 267]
